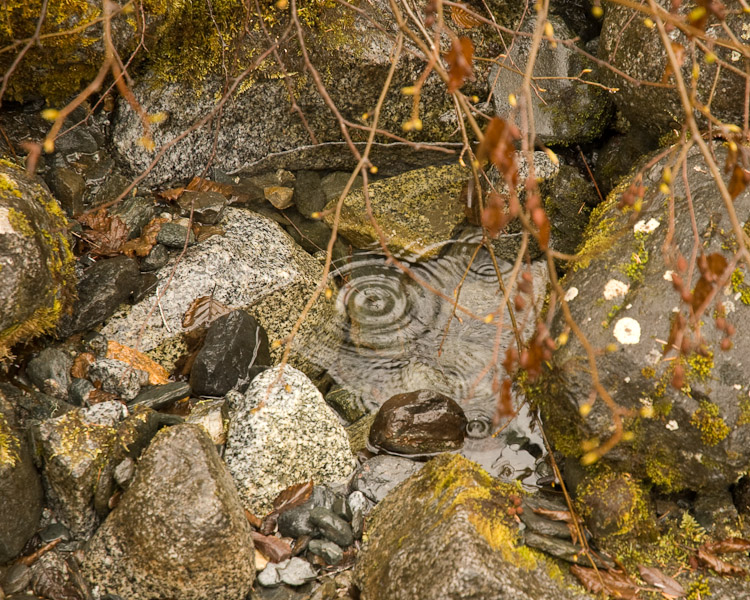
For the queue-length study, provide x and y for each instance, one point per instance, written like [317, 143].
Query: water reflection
[393, 335]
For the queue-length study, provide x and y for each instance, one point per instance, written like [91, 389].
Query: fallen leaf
[495, 216]
[172, 194]
[254, 520]
[203, 232]
[668, 586]
[555, 515]
[205, 185]
[464, 18]
[612, 583]
[157, 375]
[294, 495]
[714, 562]
[203, 311]
[738, 181]
[728, 545]
[459, 63]
[142, 246]
[81, 364]
[105, 234]
[498, 147]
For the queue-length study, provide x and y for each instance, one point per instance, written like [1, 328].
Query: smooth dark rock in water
[208, 207]
[20, 487]
[103, 287]
[172, 235]
[327, 550]
[379, 475]
[50, 372]
[332, 526]
[233, 342]
[159, 396]
[346, 403]
[179, 530]
[422, 422]
[446, 534]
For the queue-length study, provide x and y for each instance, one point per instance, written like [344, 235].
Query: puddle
[394, 335]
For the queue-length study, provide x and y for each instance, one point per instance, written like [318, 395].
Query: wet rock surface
[380, 474]
[179, 530]
[418, 423]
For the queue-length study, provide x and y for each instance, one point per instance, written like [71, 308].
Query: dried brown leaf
[203, 232]
[81, 364]
[254, 520]
[498, 147]
[203, 311]
[199, 184]
[679, 52]
[555, 515]
[495, 216]
[142, 246]
[612, 583]
[157, 375]
[738, 181]
[459, 63]
[294, 495]
[172, 194]
[668, 586]
[733, 544]
[105, 234]
[464, 18]
[714, 562]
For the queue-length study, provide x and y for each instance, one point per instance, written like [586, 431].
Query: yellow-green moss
[20, 223]
[9, 446]
[739, 286]
[638, 259]
[8, 185]
[712, 427]
[648, 372]
[698, 589]
[661, 470]
[700, 366]
[744, 404]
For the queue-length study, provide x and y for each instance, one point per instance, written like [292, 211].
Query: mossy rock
[36, 262]
[446, 533]
[620, 295]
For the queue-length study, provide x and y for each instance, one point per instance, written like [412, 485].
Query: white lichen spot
[668, 275]
[627, 331]
[571, 294]
[628, 306]
[672, 425]
[735, 56]
[653, 358]
[5, 226]
[737, 386]
[644, 226]
[614, 289]
[646, 402]
[729, 307]
[627, 380]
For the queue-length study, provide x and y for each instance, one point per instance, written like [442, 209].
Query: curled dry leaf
[555, 515]
[271, 547]
[738, 181]
[199, 184]
[172, 194]
[459, 63]
[81, 364]
[294, 495]
[464, 18]
[721, 567]
[203, 232]
[728, 545]
[105, 234]
[142, 246]
[612, 583]
[498, 147]
[203, 311]
[495, 215]
[668, 586]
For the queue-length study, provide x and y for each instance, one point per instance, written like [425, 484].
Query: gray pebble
[332, 526]
[173, 235]
[269, 577]
[327, 550]
[296, 571]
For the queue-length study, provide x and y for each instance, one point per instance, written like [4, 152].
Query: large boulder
[637, 51]
[254, 265]
[281, 432]
[620, 293]
[179, 530]
[445, 534]
[36, 279]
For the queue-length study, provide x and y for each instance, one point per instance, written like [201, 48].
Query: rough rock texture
[352, 52]
[254, 265]
[620, 293]
[376, 477]
[445, 534]
[638, 52]
[20, 487]
[567, 112]
[280, 433]
[179, 530]
[36, 279]
[50, 372]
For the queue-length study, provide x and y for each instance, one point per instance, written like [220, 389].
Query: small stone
[95, 343]
[358, 502]
[269, 577]
[422, 422]
[117, 377]
[327, 550]
[358, 524]
[213, 416]
[16, 579]
[296, 571]
[280, 197]
[173, 235]
[124, 472]
[332, 526]
[79, 391]
[379, 475]
[50, 372]
[341, 508]
[136, 212]
[208, 207]
[346, 403]
[308, 193]
[156, 259]
[68, 187]
[334, 183]
[157, 397]
[54, 531]
[296, 522]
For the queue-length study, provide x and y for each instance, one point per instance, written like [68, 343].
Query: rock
[50, 372]
[67, 187]
[297, 521]
[179, 530]
[416, 211]
[446, 533]
[213, 416]
[37, 281]
[619, 293]
[283, 433]
[208, 207]
[308, 193]
[421, 422]
[333, 184]
[156, 259]
[636, 51]
[618, 155]
[568, 111]
[136, 212]
[16, 579]
[380, 474]
[254, 264]
[96, 344]
[327, 550]
[295, 571]
[118, 377]
[280, 197]
[332, 526]
[20, 487]
[571, 197]
[346, 403]
[102, 288]
[269, 577]
[157, 397]
[172, 235]
[234, 342]
[80, 391]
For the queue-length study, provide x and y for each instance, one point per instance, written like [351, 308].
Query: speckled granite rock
[445, 534]
[179, 530]
[280, 433]
[254, 264]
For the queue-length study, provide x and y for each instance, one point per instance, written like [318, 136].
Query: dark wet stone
[117, 377]
[68, 187]
[327, 550]
[54, 531]
[136, 212]
[179, 530]
[322, 496]
[618, 155]
[570, 198]
[562, 549]
[20, 486]
[156, 259]
[233, 342]
[80, 139]
[146, 285]
[79, 391]
[741, 495]
[334, 183]
[95, 343]
[16, 579]
[308, 193]
[417, 547]
[346, 403]
[172, 235]
[542, 525]
[157, 397]
[341, 508]
[422, 422]
[208, 207]
[380, 474]
[332, 526]
[101, 290]
[312, 235]
[716, 512]
[296, 522]
[358, 524]
[50, 372]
